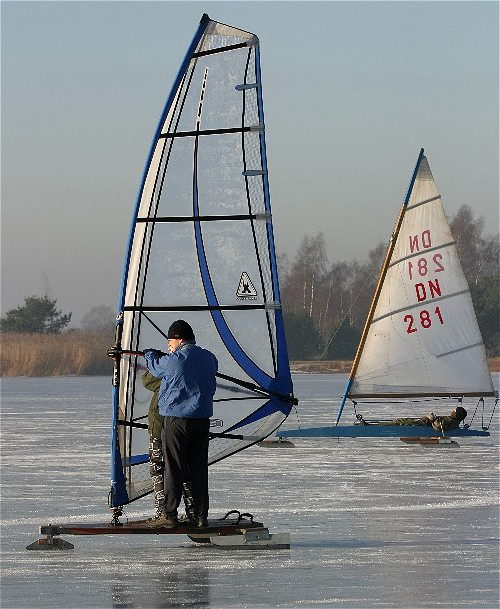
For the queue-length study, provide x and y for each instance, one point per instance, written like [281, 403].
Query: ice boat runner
[201, 248]
[421, 343]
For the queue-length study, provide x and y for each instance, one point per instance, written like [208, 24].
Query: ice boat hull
[375, 431]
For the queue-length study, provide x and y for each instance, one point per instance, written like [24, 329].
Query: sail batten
[419, 305]
[428, 251]
[420, 394]
[181, 308]
[231, 47]
[480, 344]
[226, 218]
[209, 132]
[419, 203]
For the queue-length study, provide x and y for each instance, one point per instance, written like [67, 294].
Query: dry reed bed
[323, 366]
[84, 353]
[74, 352]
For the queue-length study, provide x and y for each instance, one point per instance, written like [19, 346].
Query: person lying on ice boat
[156, 465]
[444, 423]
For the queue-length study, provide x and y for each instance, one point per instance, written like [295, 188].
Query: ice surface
[374, 523]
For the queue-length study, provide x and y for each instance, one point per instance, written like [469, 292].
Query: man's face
[173, 344]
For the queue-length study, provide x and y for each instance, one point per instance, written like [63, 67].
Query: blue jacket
[187, 380]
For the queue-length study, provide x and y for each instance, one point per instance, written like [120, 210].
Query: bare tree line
[325, 304]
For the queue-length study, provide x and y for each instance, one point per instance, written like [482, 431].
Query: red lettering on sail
[434, 288]
[408, 319]
[422, 267]
[420, 292]
[414, 244]
[439, 266]
[438, 313]
[425, 241]
[425, 319]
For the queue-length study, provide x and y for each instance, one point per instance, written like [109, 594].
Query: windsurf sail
[201, 248]
[421, 338]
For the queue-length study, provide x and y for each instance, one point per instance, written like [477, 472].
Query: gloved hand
[155, 352]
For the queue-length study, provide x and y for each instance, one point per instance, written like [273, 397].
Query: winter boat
[201, 248]
[421, 343]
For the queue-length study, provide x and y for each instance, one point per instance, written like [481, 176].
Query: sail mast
[378, 289]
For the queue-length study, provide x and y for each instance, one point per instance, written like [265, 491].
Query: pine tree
[38, 315]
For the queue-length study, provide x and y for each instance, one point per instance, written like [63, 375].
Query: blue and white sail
[201, 248]
[421, 339]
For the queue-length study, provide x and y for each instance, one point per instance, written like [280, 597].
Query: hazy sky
[352, 91]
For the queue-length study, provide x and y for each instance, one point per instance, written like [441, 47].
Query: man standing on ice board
[187, 374]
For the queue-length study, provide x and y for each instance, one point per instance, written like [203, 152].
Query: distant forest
[325, 304]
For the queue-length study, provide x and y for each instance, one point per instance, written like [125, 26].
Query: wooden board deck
[138, 527]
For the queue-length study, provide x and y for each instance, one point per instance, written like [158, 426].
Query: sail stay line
[415, 254]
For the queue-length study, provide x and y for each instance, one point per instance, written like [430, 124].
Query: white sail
[421, 341]
[423, 337]
[201, 248]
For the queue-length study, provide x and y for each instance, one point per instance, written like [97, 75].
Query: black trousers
[185, 448]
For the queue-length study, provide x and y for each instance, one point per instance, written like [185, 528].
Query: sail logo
[246, 290]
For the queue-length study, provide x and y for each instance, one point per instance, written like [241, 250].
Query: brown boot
[168, 522]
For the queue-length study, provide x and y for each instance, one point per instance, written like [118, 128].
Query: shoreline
[332, 366]
[296, 367]
[320, 366]
[81, 353]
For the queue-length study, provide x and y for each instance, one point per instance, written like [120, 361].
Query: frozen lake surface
[374, 523]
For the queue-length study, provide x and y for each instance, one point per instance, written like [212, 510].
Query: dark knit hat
[181, 329]
[461, 413]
